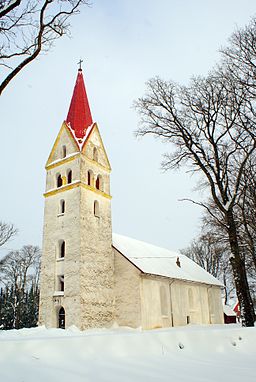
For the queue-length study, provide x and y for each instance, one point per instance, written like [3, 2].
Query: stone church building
[92, 278]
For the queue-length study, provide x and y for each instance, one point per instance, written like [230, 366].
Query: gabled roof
[154, 260]
[79, 117]
[64, 128]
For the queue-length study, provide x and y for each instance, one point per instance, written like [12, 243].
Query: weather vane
[80, 64]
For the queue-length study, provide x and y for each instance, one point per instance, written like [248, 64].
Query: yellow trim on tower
[96, 163]
[62, 161]
[75, 185]
[61, 189]
[96, 190]
[64, 180]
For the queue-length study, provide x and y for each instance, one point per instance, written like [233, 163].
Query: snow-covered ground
[187, 354]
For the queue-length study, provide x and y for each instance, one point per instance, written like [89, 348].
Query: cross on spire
[80, 64]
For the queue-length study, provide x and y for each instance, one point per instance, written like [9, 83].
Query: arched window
[64, 151]
[62, 249]
[62, 206]
[99, 183]
[96, 208]
[61, 283]
[61, 318]
[89, 178]
[59, 180]
[69, 176]
[95, 154]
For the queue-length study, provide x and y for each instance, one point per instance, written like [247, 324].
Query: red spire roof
[79, 115]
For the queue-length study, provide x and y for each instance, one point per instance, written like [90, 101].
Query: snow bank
[192, 353]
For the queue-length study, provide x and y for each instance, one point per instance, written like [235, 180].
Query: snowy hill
[195, 354]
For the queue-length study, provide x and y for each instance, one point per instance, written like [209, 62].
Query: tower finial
[80, 64]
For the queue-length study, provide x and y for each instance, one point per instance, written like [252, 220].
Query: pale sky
[123, 43]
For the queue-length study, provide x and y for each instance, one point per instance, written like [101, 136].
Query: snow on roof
[66, 157]
[160, 261]
[80, 141]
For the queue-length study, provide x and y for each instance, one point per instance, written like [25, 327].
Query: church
[91, 277]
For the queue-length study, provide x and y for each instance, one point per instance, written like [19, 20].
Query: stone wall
[88, 263]
[97, 262]
[60, 227]
[127, 292]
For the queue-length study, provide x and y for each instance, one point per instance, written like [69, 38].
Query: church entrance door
[62, 318]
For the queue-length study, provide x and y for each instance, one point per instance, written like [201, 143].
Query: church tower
[77, 261]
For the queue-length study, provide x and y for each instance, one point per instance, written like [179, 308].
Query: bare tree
[210, 125]
[28, 27]
[19, 270]
[207, 253]
[246, 214]
[240, 56]
[7, 231]
[239, 60]
[212, 254]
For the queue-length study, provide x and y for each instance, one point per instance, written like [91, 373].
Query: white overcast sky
[123, 43]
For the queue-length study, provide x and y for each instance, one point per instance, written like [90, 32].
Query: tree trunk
[225, 290]
[239, 273]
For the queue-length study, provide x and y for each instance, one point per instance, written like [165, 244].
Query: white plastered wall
[127, 292]
[155, 302]
[187, 302]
